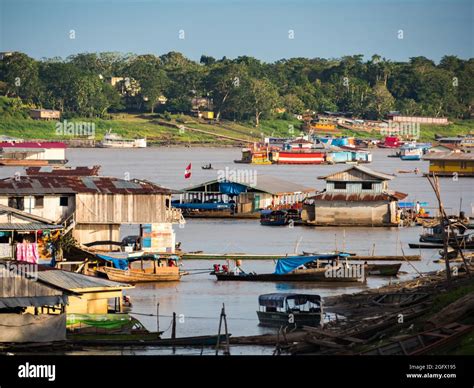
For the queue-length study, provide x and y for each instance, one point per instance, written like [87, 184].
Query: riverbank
[183, 130]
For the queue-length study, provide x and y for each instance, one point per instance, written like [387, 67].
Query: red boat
[390, 142]
[299, 157]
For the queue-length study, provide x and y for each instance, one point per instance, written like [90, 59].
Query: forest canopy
[243, 88]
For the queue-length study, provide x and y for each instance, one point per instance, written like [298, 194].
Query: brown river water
[198, 298]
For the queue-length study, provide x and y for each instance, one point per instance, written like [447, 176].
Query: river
[197, 299]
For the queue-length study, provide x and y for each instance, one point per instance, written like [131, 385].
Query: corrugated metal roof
[450, 156]
[63, 171]
[74, 281]
[28, 226]
[359, 197]
[363, 169]
[31, 185]
[36, 301]
[264, 183]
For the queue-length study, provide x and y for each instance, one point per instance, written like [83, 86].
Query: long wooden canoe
[163, 274]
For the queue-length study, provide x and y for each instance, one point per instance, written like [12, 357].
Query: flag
[187, 172]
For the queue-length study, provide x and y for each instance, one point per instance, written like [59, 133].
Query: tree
[380, 101]
[260, 96]
[20, 74]
[293, 104]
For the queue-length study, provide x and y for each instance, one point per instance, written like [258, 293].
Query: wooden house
[356, 196]
[451, 163]
[94, 207]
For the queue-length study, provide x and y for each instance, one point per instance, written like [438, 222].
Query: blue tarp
[118, 263]
[290, 263]
[231, 188]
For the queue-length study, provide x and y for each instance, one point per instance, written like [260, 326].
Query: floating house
[355, 196]
[87, 294]
[32, 153]
[30, 311]
[239, 197]
[95, 207]
[23, 236]
[451, 163]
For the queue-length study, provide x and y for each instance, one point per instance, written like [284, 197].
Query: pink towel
[27, 252]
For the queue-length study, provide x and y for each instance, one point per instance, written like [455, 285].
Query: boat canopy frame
[280, 300]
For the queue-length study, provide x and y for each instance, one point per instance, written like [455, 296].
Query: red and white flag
[187, 172]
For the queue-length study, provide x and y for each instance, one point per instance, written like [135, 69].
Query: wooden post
[158, 318]
[173, 328]
[223, 318]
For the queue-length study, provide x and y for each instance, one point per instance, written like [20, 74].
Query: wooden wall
[121, 209]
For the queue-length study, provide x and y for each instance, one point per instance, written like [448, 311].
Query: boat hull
[164, 274]
[298, 319]
[383, 269]
[311, 275]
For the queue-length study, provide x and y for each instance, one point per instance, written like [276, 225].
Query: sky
[266, 29]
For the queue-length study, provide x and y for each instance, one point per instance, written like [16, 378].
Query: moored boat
[382, 269]
[410, 153]
[135, 269]
[285, 309]
[319, 268]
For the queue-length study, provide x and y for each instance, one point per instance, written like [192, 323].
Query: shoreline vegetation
[162, 132]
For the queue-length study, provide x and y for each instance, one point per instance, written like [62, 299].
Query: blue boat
[411, 152]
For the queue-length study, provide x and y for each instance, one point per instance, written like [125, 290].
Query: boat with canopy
[287, 309]
[326, 267]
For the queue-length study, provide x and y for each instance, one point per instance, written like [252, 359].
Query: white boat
[113, 140]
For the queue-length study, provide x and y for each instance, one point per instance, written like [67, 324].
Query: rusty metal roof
[63, 171]
[359, 197]
[37, 185]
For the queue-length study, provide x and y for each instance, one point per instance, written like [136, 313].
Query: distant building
[201, 103]
[5, 54]
[45, 114]
[451, 163]
[417, 119]
[355, 196]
